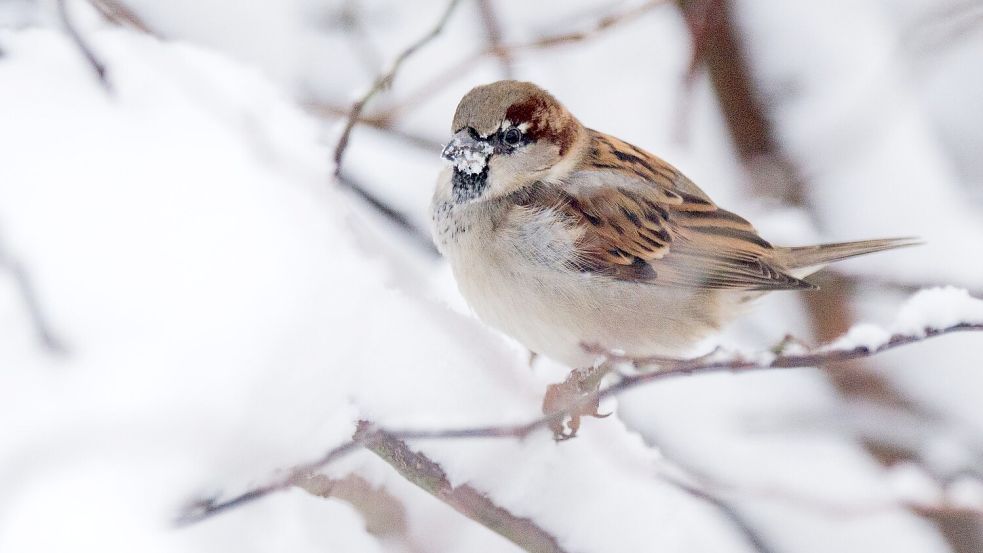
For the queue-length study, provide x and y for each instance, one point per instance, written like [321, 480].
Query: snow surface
[228, 313]
[926, 310]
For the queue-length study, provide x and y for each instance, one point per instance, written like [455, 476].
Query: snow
[470, 158]
[204, 278]
[914, 485]
[925, 311]
[938, 308]
[228, 312]
[864, 335]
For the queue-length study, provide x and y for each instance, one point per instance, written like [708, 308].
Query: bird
[562, 236]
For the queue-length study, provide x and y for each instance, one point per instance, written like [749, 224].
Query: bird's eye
[512, 136]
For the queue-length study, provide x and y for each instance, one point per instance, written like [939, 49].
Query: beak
[467, 153]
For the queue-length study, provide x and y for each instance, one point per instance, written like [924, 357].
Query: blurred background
[215, 259]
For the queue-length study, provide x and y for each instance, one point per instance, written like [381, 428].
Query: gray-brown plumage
[560, 235]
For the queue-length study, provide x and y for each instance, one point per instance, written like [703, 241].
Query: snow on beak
[467, 153]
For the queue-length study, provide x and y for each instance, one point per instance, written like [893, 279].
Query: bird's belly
[556, 313]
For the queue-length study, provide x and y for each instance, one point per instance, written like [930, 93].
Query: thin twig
[669, 368]
[714, 490]
[428, 475]
[460, 68]
[384, 121]
[750, 533]
[329, 111]
[98, 67]
[349, 20]
[119, 14]
[385, 80]
[493, 33]
[603, 24]
[420, 238]
[42, 327]
[205, 508]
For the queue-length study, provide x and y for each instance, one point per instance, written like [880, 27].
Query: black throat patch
[469, 186]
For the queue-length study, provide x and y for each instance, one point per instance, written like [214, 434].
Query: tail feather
[815, 257]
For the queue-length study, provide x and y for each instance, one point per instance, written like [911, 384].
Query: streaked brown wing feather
[668, 233]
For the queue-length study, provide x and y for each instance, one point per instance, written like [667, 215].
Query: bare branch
[98, 67]
[458, 69]
[669, 368]
[420, 238]
[118, 13]
[712, 490]
[751, 534]
[385, 80]
[25, 286]
[737, 362]
[604, 24]
[329, 111]
[493, 32]
[425, 473]
[205, 508]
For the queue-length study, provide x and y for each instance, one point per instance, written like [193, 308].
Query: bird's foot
[572, 399]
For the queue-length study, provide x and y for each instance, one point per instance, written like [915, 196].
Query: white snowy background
[220, 309]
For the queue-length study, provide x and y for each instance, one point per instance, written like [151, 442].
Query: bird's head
[509, 135]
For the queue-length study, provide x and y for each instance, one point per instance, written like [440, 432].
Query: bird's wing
[634, 217]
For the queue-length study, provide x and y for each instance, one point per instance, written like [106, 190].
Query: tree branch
[385, 80]
[493, 33]
[458, 69]
[398, 218]
[98, 67]
[119, 14]
[25, 286]
[716, 362]
[384, 514]
[751, 534]
[425, 473]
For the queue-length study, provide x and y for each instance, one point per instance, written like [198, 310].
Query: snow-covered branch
[928, 314]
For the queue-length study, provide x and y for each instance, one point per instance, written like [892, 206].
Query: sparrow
[559, 235]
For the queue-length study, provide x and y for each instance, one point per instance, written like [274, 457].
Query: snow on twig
[928, 314]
